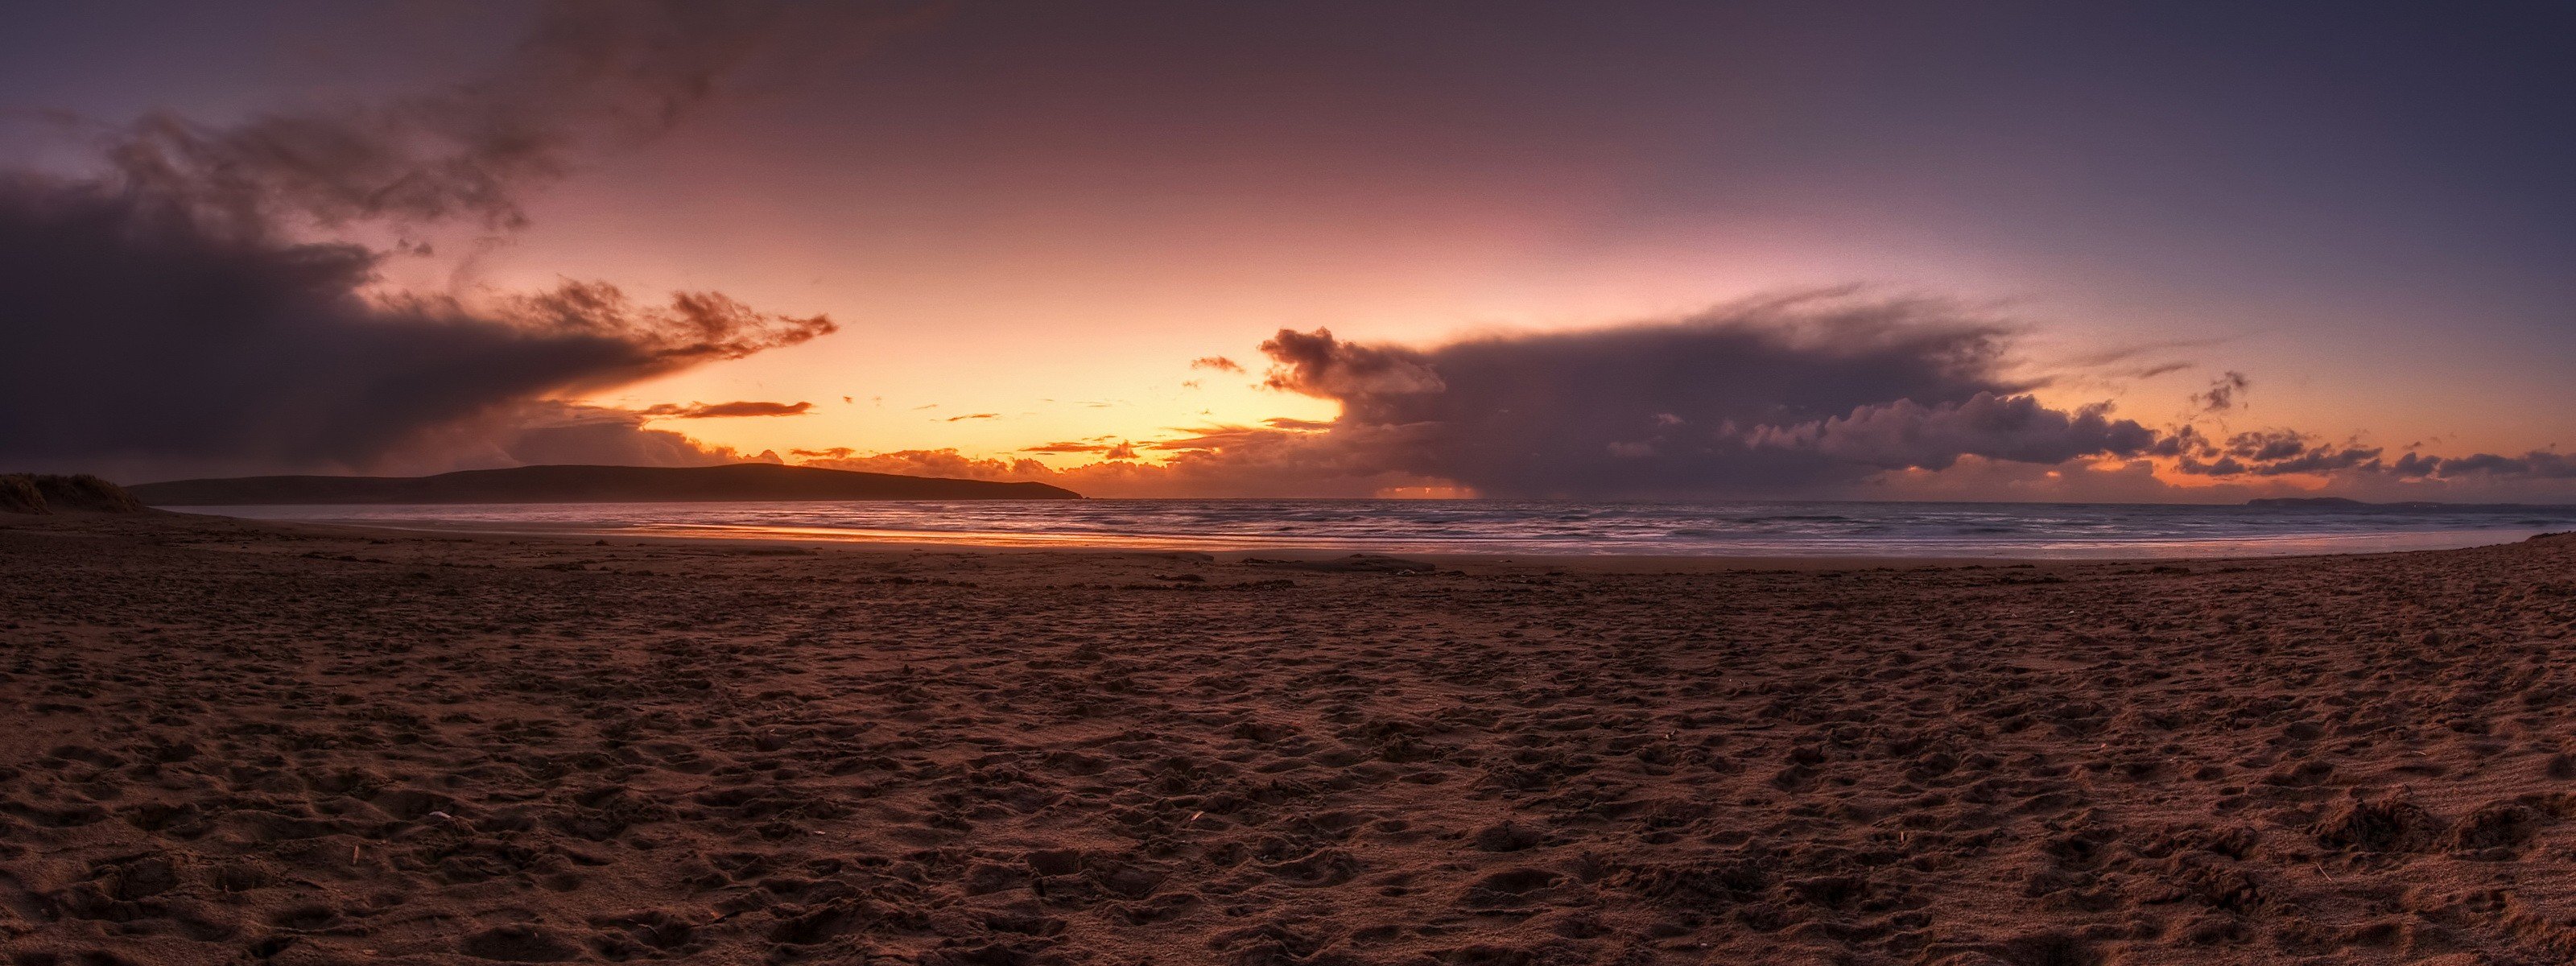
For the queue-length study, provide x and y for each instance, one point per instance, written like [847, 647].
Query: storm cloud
[1909, 435]
[185, 309]
[1820, 394]
[1787, 395]
[588, 77]
[1803, 395]
[144, 340]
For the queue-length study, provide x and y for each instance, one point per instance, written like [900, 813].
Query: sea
[2034, 531]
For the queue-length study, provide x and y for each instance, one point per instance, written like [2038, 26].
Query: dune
[591, 484]
[45, 493]
[237, 742]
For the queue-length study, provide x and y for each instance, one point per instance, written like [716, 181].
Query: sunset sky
[1026, 221]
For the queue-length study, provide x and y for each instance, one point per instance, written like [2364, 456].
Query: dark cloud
[1218, 363]
[1821, 394]
[2224, 393]
[1811, 394]
[2324, 460]
[2536, 464]
[2154, 369]
[139, 335]
[589, 76]
[2287, 452]
[170, 316]
[1909, 435]
[1800, 394]
[2261, 453]
[1317, 364]
[2139, 360]
[725, 410]
[974, 416]
[2269, 457]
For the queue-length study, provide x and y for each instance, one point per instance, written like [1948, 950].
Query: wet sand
[233, 742]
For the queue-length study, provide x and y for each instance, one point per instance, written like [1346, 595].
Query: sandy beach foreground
[230, 742]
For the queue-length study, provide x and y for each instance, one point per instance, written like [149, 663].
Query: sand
[237, 743]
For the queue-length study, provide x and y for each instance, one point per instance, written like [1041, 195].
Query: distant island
[591, 484]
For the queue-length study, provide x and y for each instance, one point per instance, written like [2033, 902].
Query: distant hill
[591, 484]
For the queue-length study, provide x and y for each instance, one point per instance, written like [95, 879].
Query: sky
[2170, 251]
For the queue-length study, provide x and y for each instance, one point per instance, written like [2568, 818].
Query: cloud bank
[1794, 395]
[1803, 395]
[143, 337]
[1820, 394]
[175, 314]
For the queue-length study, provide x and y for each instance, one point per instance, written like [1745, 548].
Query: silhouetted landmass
[592, 484]
[2304, 501]
[41, 493]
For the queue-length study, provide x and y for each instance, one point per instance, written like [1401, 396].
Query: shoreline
[1233, 549]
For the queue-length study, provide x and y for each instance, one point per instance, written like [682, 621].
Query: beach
[269, 742]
